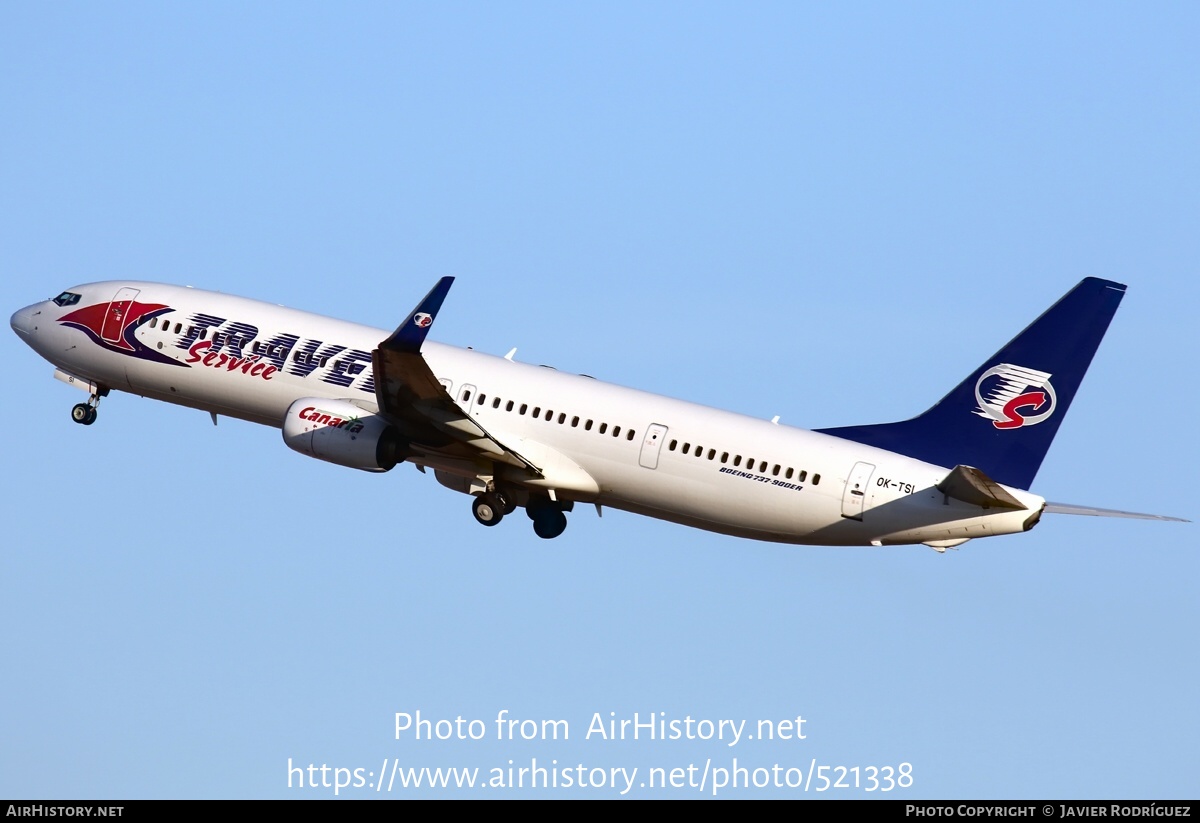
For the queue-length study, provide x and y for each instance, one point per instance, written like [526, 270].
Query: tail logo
[1014, 396]
[423, 320]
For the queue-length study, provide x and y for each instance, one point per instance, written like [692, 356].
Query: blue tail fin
[1002, 418]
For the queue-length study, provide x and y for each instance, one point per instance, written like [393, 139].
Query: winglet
[410, 334]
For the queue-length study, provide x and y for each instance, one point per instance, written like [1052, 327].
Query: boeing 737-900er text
[516, 435]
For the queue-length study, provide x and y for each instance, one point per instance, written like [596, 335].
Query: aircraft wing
[409, 393]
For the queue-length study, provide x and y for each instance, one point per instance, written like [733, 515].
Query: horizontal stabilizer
[970, 485]
[1066, 508]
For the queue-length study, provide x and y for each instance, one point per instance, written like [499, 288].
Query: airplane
[515, 435]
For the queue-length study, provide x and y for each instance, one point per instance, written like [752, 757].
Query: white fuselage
[597, 442]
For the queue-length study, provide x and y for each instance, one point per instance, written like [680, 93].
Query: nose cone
[22, 321]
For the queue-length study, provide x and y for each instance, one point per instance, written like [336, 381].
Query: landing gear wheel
[83, 414]
[487, 509]
[506, 503]
[549, 522]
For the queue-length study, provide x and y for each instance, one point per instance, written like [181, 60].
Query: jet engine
[340, 432]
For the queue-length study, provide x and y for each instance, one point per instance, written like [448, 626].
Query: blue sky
[827, 212]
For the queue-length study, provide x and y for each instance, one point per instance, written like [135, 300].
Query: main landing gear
[490, 508]
[547, 516]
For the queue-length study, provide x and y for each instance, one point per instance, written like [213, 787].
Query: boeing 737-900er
[516, 435]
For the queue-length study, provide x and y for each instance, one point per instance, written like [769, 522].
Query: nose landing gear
[85, 413]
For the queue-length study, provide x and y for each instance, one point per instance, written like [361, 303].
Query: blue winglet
[410, 334]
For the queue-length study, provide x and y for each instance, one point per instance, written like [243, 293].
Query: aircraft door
[656, 433]
[855, 496]
[115, 318]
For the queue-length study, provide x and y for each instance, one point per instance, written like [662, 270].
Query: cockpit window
[67, 298]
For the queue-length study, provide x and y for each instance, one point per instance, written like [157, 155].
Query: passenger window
[762, 467]
[509, 406]
[737, 461]
[495, 402]
[549, 415]
[788, 473]
[803, 476]
[154, 322]
[775, 470]
[178, 328]
[574, 422]
[524, 408]
[587, 426]
[616, 431]
[603, 428]
[630, 435]
[685, 448]
[724, 457]
[816, 479]
[712, 453]
[562, 418]
[537, 411]
[481, 399]
[672, 446]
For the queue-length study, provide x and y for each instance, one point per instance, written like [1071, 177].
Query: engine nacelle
[342, 433]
